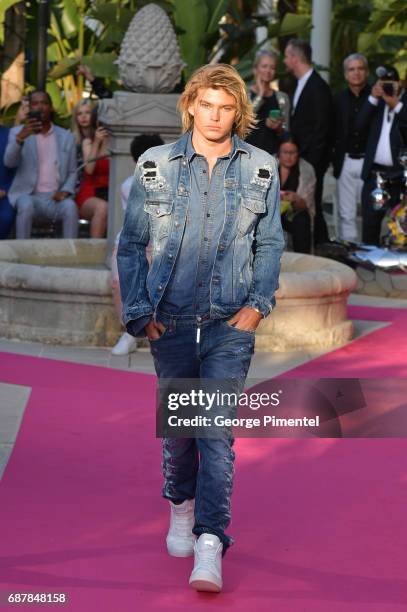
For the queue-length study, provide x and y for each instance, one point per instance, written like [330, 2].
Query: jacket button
[176, 223]
[160, 287]
[170, 255]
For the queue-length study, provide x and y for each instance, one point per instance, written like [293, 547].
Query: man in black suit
[311, 121]
[384, 114]
[350, 143]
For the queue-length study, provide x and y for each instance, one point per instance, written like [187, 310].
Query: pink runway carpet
[319, 523]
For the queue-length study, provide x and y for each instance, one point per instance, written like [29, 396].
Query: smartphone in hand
[275, 114]
[35, 116]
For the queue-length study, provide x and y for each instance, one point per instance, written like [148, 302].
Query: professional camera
[389, 79]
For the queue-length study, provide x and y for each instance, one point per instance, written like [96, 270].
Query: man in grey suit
[45, 157]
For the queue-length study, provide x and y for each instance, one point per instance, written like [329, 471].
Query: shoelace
[207, 556]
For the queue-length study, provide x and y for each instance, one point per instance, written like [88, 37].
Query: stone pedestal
[127, 115]
[57, 291]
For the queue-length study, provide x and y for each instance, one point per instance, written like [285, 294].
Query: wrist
[258, 311]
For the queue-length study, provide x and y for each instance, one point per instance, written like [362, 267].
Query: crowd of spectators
[361, 131]
[50, 173]
[54, 174]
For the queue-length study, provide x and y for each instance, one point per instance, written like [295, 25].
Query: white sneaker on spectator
[207, 572]
[126, 344]
[180, 539]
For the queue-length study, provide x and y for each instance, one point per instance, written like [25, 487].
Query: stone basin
[59, 292]
[311, 306]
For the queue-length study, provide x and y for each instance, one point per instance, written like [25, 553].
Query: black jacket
[342, 106]
[312, 122]
[371, 117]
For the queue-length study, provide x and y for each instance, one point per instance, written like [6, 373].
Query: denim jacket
[247, 262]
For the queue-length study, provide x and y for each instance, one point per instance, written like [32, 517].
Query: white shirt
[300, 86]
[383, 153]
[125, 190]
[124, 197]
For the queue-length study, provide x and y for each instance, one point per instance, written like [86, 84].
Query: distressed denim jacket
[250, 245]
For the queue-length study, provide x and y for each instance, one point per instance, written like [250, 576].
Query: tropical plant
[91, 31]
[197, 24]
[385, 38]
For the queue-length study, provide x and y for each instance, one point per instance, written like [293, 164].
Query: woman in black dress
[270, 128]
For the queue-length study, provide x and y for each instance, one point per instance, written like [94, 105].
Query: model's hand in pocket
[154, 330]
[246, 319]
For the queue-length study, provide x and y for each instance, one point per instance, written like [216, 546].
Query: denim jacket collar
[179, 148]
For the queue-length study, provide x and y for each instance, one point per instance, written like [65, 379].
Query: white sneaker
[180, 539]
[126, 344]
[207, 572]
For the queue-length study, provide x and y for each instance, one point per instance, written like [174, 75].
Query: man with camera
[45, 157]
[384, 115]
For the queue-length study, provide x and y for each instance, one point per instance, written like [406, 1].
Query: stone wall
[57, 291]
[381, 283]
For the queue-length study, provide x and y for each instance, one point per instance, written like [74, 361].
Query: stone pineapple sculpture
[149, 59]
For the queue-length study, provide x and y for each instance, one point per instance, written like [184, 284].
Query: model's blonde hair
[218, 76]
[77, 132]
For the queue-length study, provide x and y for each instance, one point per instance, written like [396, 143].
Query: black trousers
[300, 229]
[320, 226]
[372, 219]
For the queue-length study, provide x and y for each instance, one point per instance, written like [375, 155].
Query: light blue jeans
[42, 206]
[202, 468]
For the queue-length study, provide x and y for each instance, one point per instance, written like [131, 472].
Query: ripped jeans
[202, 468]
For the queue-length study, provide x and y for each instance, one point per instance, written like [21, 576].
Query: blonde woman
[92, 194]
[272, 107]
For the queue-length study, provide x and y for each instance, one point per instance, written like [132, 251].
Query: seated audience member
[7, 212]
[297, 184]
[139, 145]
[272, 107]
[45, 160]
[91, 141]
[384, 116]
